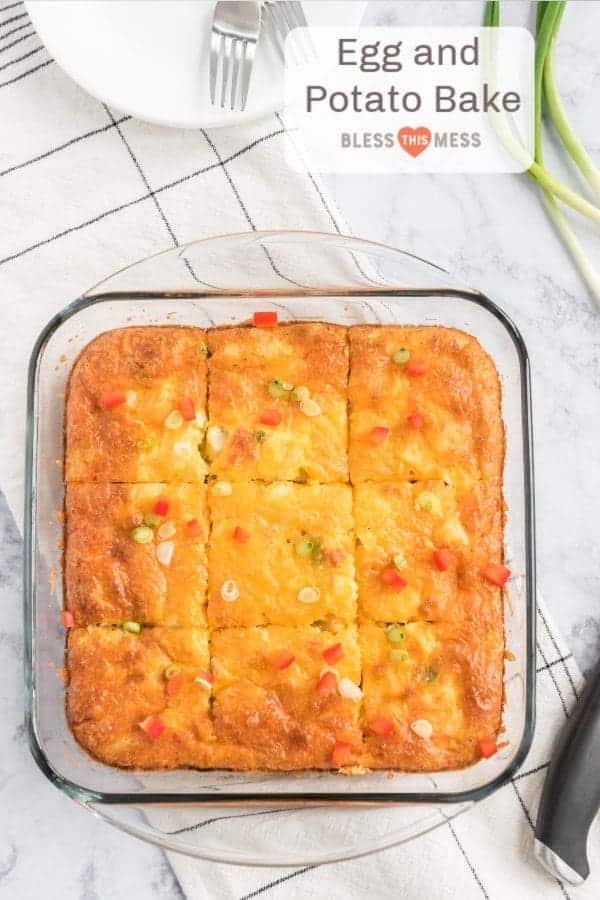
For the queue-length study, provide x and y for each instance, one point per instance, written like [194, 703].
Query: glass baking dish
[218, 281]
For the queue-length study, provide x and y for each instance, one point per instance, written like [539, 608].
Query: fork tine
[237, 49]
[280, 28]
[287, 15]
[296, 15]
[235, 32]
[215, 48]
[247, 63]
[287, 24]
[226, 44]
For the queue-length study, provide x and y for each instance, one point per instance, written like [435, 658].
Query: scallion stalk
[558, 116]
[548, 18]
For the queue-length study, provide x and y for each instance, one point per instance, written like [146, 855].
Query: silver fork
[287, 15]
[235, 30]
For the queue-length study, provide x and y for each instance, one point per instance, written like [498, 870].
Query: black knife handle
[571, 793]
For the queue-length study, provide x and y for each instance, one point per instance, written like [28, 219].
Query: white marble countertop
[491, 231]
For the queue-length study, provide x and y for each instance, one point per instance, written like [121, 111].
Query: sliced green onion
[174, 420]
[146, 443]
[221, 489]
[202, 348]
[131, 627]
[400, 561]
[395, 634]
[429, 502]
[401, 356]
[305, 547]
[172, 670]
[260, 436]
[142, 534]
[300, 393]
[398, 656]
[318, 554]
[276, 389]
[152, 520]
[428, 675]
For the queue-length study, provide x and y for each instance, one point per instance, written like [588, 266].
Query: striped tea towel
[85, 190]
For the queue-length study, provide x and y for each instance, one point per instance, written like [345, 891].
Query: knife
[571, 793]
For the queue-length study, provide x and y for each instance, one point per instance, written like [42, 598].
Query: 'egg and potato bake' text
[284, 548]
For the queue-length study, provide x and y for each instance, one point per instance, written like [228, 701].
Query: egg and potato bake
[284, 548]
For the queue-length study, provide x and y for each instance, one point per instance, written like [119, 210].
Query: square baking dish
[221, 281]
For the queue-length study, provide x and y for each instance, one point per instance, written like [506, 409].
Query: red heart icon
[414, 140]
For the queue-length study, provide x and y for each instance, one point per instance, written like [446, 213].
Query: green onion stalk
[549, 14]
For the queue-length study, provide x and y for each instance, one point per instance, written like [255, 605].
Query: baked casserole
[284, 548]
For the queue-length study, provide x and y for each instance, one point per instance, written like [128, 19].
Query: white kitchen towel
[84, 190]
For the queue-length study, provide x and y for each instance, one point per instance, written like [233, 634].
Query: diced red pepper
[66, 617]
[393, 579]
[496, 573]
[242, 446]
[333, 654]
[161, 507]
[265, 319]
[327, 683]
[153, 726]
[442, 559]
[240, 535]
[281, 659]
[415, 420]
[378, 434]
[336, 557]
[205, 675]
[113, 398]
[270, 417]
[382, 727]
[415, 366]
[186, 408]
[194, 528]
[487, 746]
[341, 754]
[173, 685]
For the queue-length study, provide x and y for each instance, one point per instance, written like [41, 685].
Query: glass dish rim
[87, 796]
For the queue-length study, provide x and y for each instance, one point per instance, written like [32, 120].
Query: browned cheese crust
[277, 716]
[110, 578]
[314, 595]
[303, 446]
[117, 681]
[447, 676]
[461, 438]
[153, 368]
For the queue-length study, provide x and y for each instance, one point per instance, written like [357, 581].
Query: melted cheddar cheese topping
[442, 674]
[297, 537]
[284, 548]
[273, 707]
[117, 681]
[111, 577]
[457, 435]
[279, 438]
[125, 396]
[412, 523]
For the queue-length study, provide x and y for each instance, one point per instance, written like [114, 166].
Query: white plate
[149, 58]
